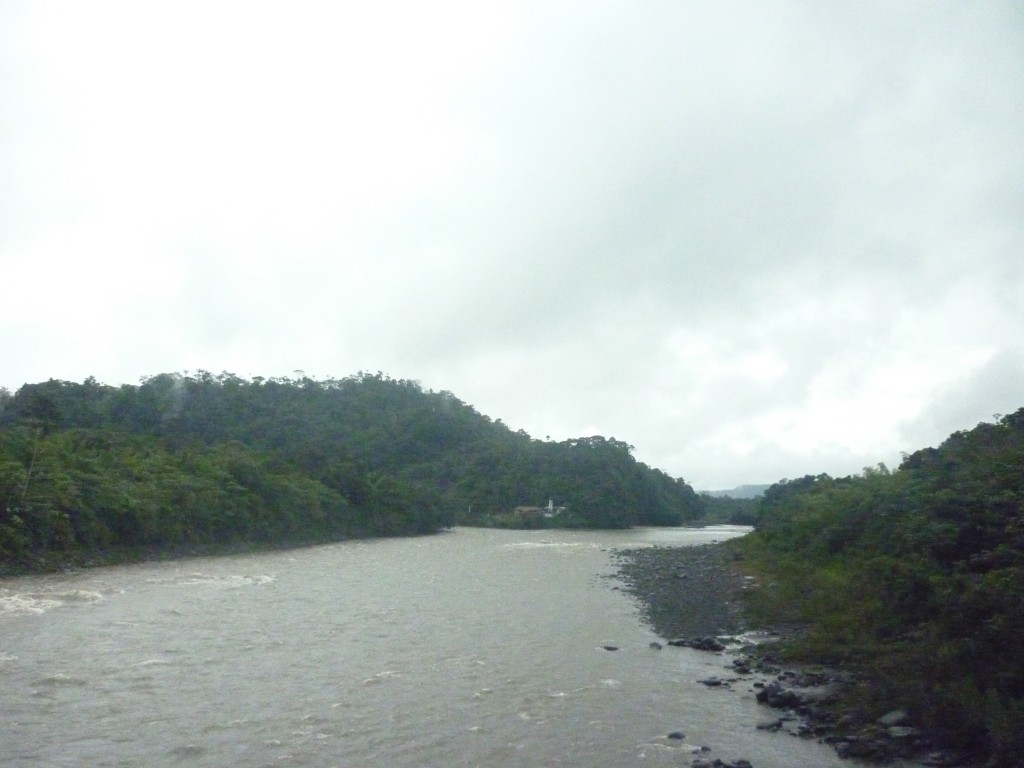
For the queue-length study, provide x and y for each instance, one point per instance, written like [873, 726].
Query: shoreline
[693, 597]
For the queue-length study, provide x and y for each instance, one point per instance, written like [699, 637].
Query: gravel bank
[684, 591]
[695, 592]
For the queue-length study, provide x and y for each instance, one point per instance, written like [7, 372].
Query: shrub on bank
[912, 579]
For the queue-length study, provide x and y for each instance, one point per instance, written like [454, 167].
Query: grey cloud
[685, 226]
[995, 389]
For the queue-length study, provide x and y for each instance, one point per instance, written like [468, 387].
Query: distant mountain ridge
[740, 492]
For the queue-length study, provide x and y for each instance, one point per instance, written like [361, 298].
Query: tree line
[190, 462]
[913, 578]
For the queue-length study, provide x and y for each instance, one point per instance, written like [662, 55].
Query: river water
[469, 648]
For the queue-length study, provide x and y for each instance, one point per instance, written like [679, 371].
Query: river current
[469, 648]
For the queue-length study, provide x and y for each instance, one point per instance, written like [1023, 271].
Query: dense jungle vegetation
[913, 578]
[181, 463]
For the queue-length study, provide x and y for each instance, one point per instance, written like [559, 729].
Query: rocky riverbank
[692, 596]
[685, 591]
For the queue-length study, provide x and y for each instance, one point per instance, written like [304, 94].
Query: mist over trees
[181, 462]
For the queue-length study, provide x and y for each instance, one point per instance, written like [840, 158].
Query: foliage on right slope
[913, 579]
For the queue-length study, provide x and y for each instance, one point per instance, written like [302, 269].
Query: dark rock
[865, 749]
[742, 666]
[678, 735]
[777, 697]
[707, 644]
[698, 643]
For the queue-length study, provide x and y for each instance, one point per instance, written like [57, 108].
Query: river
[469, 648]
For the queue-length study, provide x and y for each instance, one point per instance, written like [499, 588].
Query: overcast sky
[756, 240]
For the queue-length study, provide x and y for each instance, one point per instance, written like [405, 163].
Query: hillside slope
[183, 461]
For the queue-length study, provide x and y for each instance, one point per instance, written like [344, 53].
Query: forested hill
[913, 578]
[186, 461]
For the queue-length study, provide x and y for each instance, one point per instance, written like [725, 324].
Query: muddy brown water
[469, 648]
